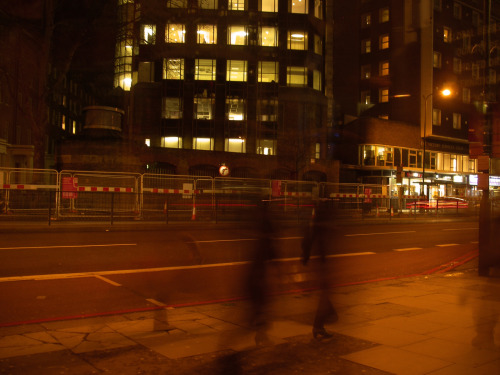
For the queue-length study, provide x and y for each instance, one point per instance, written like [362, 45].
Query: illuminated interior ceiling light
[298, 36]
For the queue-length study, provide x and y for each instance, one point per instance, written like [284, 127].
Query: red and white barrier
[27, 187]
[341, 195]
[106, 189]
[170, 191]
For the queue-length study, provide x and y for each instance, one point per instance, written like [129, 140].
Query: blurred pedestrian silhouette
[258, 282]
[316, 240]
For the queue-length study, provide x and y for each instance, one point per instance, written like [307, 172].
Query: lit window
[173, 68]
[207, 34]
[318, 9]
[204, 70]
[366, 20]
[383, 95]
[148, 34]
[457, 65]
[457, 121]
[365, 97]
[203, 108]
[172, 108]
[318, 45]
[236, 5]
[236, 70]
[176, 3]
[268, 5]
[268, 36]
[383, 15]
[235, 109]
[267, 109]
[175, 33]
[366, 46]
[384, 68]
[384, 41]
[208, 4]
[436, 117]
[147, 142]
[298, 6]
[268, 71]
[365, 71]
[296, 76]
[297, 40]
[317, 151]
[237, 35]
[266, 147]
[436, 59]
[447, 35]
[316, 80]
[235, 145]
[203, 144]
[171, 142]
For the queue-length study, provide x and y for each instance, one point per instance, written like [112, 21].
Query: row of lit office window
[384, 156]
[237, 70]
[264, 146]
[237, 35]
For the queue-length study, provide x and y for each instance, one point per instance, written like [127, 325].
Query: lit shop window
[208, 4]
[266, 147]
[236, 70]
[298, 6]
[268, 36]
[268, 71]
[318, 9]
[317, 80]
[148, 34]
[172, 108]
[235, 145]
[296, 76]
[203, 144]
[297, 40]
[171, 142]
[173, 68]
[237, 35]
[204, 70]
[207, 34]
[236, 109]
[203, 108]
[175, 33]
[268, 5]
[236, 5]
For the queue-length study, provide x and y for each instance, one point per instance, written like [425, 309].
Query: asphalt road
[51, 275]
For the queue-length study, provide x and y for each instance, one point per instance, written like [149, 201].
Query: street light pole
[425, 133]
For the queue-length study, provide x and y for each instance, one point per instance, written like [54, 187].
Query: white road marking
[155, 302]
[378, 233]
[246, 239]
[409, 249]
[101, 274]
[66, 246]
[447, 244]
[107, 280]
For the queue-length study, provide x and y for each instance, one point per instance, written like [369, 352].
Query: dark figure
[258, 277]
[316, 240]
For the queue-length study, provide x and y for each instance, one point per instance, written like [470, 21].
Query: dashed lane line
[65, 246]
[409, 249]
[448, 244]
[378, 233]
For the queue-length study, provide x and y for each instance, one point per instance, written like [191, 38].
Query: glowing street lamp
[445, 93]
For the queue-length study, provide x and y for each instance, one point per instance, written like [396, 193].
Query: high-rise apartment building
[393, 59]
[235, 82]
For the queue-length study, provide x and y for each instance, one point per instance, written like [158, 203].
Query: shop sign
[69, 187]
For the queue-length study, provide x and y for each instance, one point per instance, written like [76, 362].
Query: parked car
[439, 203]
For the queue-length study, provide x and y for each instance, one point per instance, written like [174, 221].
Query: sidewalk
[439, 324]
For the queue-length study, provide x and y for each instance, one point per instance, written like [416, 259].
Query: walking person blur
[316, 240]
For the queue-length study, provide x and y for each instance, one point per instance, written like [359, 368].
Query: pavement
[440, 324]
